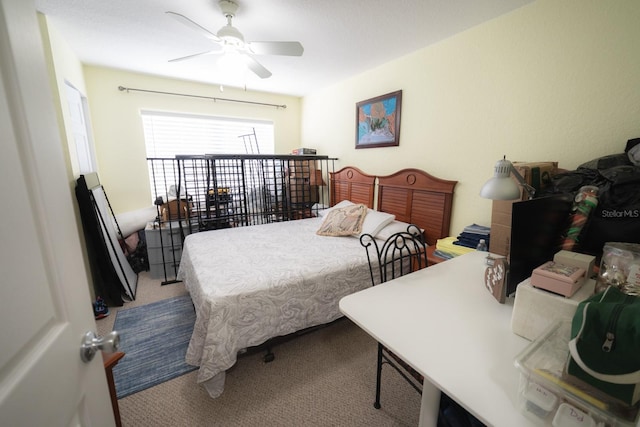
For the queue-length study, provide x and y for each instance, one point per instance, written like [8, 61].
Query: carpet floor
[154, 338]
[324, 378]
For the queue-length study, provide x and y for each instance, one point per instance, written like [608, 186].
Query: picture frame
[378, 121]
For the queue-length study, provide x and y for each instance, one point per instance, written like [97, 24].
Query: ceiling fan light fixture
[231, 35]
[231, 40]
[228, 8]
[232, 63]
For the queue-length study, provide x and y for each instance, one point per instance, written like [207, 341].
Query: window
[169, 134]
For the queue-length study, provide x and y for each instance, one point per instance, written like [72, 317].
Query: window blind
[169, 134]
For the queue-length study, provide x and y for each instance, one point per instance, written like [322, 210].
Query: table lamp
[502, 187]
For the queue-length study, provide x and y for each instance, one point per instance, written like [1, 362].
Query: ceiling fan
[231, 42]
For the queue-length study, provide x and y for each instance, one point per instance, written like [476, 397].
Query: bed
[252, 284]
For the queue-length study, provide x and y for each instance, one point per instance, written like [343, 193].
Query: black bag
[616, 218]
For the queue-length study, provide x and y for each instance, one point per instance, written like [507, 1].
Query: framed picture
[378, 121]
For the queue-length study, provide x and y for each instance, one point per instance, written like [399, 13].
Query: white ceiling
[340, 38]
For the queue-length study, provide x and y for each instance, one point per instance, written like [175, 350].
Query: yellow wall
[118, 133]
[554, 80]
[64, 68]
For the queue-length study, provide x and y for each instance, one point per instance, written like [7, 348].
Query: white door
[80, 130]
[45, 306]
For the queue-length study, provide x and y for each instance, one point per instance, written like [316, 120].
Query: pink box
[558, 278]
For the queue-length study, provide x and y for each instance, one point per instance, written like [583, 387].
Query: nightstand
[164, 248]
[432, 257]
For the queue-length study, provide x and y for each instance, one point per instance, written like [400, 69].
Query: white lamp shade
[500, 189]
[501, 186]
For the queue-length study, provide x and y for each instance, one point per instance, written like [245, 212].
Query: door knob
[91, 343]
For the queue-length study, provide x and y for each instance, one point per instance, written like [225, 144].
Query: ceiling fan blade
[194, 26]
[183, 58]
[257, 68]
[276, 48]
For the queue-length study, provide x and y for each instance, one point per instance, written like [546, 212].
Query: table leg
[430, 405]
[111, 360]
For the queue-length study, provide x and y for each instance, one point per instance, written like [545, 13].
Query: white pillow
[132, 221]
[391, 229]
[376, 221]
[342, 204]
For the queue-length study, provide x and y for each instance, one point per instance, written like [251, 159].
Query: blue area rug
[154, 338]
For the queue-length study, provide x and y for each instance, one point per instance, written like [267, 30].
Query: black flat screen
[537, 227]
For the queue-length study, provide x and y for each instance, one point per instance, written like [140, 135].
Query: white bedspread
[249, 284]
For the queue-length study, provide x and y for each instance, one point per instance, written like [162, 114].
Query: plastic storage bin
[549, 396]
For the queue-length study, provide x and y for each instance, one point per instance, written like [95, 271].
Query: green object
[605, 344]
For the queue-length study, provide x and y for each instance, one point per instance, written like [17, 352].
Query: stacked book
[472, 234]
[447, 249]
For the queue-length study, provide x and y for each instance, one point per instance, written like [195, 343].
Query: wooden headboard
[416, 197]
[352, 184]
[412, 195]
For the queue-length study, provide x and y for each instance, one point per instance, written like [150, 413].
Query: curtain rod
[129, 89]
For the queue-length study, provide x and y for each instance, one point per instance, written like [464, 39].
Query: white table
[445, 323]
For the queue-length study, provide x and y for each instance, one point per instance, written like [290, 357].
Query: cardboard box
[173, 210]
[500, 241]
[501, 212]
[500, 227]
[558, 278]
[301, 168]
[301, 191]
[536, 174]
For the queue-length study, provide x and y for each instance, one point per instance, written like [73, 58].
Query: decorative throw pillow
[346, 221]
